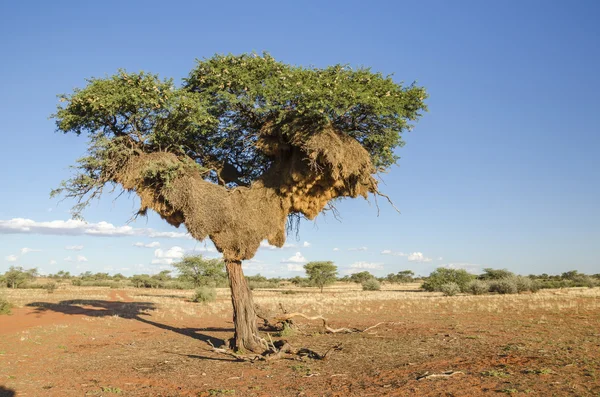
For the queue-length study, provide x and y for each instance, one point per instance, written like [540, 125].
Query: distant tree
[404, 276]
[118, 277]
[361, 277]
[200, 271]
[321, 273]
[495, 274]
[443, 275]
[17, 276]
[246, 144]
[164, 275]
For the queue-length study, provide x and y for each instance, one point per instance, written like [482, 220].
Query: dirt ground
[103, 342]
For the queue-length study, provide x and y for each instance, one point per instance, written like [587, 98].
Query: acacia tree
[201, 271]
[321, 273]
[244, 147]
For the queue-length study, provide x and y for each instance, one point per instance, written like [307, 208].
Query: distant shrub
[442, 276]
[477, 287]
[290, 292]
[371, 285]
[76, 282]
[262, 284]
[50, 287]
[504, 286]
[205, 294]
[450, 289]
[523, 283]
[5, 306]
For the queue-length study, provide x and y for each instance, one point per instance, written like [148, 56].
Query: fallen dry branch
[286, 317]
[446, 374]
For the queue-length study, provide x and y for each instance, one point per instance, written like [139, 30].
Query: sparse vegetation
[205, 294]
[450, 289]
[5, 306]
[371, 285]
[443, 275]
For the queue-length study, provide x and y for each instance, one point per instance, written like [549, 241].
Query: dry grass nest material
[305, 175]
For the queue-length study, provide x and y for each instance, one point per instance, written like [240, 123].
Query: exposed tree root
[278, 350]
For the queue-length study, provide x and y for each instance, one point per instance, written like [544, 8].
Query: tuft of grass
[286, 331]
[495, 374]
[109, 389]
[5, 306]
[220, 392]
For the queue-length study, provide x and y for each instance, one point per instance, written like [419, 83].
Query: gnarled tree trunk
[244, 317]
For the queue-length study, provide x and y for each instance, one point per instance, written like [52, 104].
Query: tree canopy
[238, 120]
[321, 273]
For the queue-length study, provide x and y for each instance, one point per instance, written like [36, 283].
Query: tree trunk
[244, 317]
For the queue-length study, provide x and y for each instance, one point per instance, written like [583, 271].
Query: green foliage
[361, 277]
[477, 287]
[50, 287]
[202, 272]
[404, 276]
[300, 281]
[17, 277]
[504, 286]
[321, 273]
[450, 289]
[224, 104]
[205, 294]
[5, 306]
[495, 274]
[442, 276]
[371, 284]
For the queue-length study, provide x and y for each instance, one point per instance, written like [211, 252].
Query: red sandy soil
[83, 348]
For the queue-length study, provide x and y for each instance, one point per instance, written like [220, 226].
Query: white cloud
[52, 262]
[28, 250]
[440, 259]
[205, 248]
[393, 253]
[74, 247]
[265, 244]
[11, 258]
[358, 249]
[154, 244]
[366, 265]
[470, 267]
[418, 257]
[292, 267]
[336, 249]
[296, 258]
[169, 256]
[78, 258]
[73, 227]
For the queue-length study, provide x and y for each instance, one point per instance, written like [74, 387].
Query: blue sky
[502, 172]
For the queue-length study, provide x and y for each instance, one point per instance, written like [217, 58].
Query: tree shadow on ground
[4, 392]
[129, 310]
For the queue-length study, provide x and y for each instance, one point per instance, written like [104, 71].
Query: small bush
[5, 306]
[504, 286]
[450, 289]
[477, 287]
[523, 283]
[50, 287]
[443, 275]
[205, 294]
[371, 285]
[76, 282]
